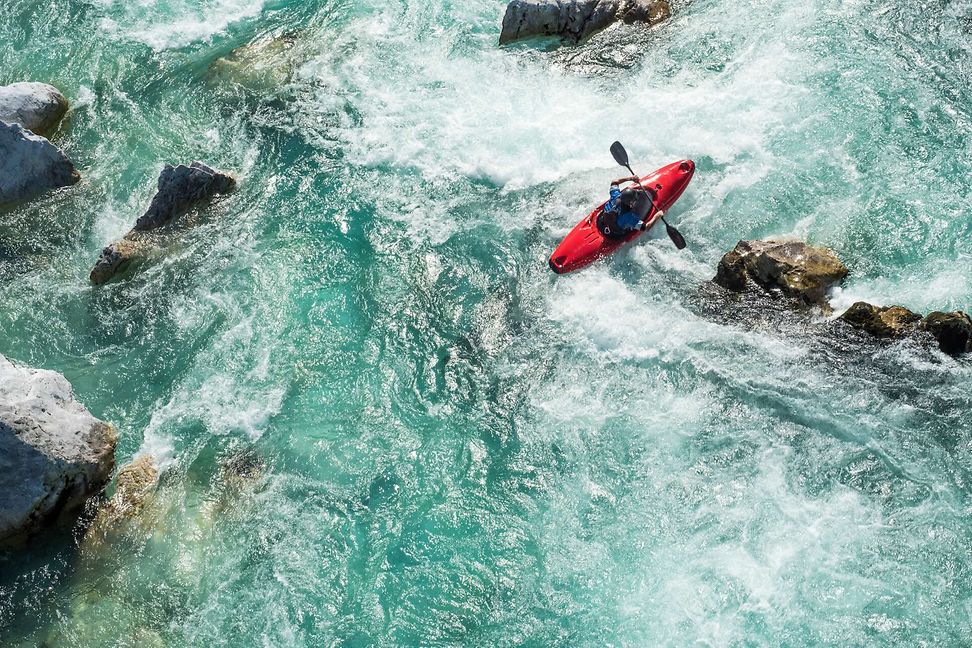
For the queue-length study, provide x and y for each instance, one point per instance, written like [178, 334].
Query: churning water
[383, 421]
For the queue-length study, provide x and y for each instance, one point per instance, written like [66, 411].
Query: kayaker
[621, 215]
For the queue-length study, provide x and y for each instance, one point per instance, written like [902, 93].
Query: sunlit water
[445, 443]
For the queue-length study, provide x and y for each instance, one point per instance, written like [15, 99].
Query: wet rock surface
[180, 189]
[134, 484]
[54, 455]
[30, 165]
[262, 67]
[806, 273]
[38, 107]
[798, 270]
[886, 322]
[575, 20]
[953, 331]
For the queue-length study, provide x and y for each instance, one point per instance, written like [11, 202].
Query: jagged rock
[54, 454]
[30, 165]
[575, 20]
[888, 321]
[952, 330]
[795, 268]
[179, 190]
[262, 67]
[118, 256]
[37, 107]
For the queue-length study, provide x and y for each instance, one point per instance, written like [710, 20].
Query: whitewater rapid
[448, 444]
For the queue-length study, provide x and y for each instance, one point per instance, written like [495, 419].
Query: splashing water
[382, 421]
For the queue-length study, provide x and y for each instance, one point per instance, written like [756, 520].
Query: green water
[452, 445]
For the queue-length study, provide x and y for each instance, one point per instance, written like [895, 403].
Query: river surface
[381, 420]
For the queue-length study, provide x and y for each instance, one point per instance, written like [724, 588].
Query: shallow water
[446, 444]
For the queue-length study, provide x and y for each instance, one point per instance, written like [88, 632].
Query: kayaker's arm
[627, 179]
[650, 217]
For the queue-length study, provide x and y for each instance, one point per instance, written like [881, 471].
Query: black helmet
[628, 199]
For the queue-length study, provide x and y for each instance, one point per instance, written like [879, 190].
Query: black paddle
[621, 157]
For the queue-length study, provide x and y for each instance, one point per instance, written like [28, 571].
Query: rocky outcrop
[37, 107]
[30, 165]
[885, 322]
[953, 331]
[54, 454]
[575, 20]
[796, 269]
[180, 189]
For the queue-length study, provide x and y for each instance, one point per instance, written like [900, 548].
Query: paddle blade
[676, 236]
[620, 155]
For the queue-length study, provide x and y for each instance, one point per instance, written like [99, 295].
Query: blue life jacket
[627, 221]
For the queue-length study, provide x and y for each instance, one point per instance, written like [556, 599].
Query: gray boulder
[180, 189]
[796, 269]
[575, 20]
[30, 165]
[54, 454]
[38, 107]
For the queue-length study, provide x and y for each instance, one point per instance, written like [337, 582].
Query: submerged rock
[575, 20]
[888, 321]
[135, 482]
[54, 454]
[262, 67]
[179, 190]
[953, 331]
[119, 256]
[796, 269]
[37, 107]
[30, 165]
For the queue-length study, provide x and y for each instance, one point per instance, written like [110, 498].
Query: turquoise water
[450, 445]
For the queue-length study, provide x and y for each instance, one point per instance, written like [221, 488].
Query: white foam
[520, 121]
[167, 24]
[944, 286]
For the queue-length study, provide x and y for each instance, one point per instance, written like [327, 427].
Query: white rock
[30, 165]
[54, 454]
[38, 107]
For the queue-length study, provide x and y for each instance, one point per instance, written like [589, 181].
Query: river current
[381, 419]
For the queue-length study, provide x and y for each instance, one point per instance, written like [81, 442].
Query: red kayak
[585, 244]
